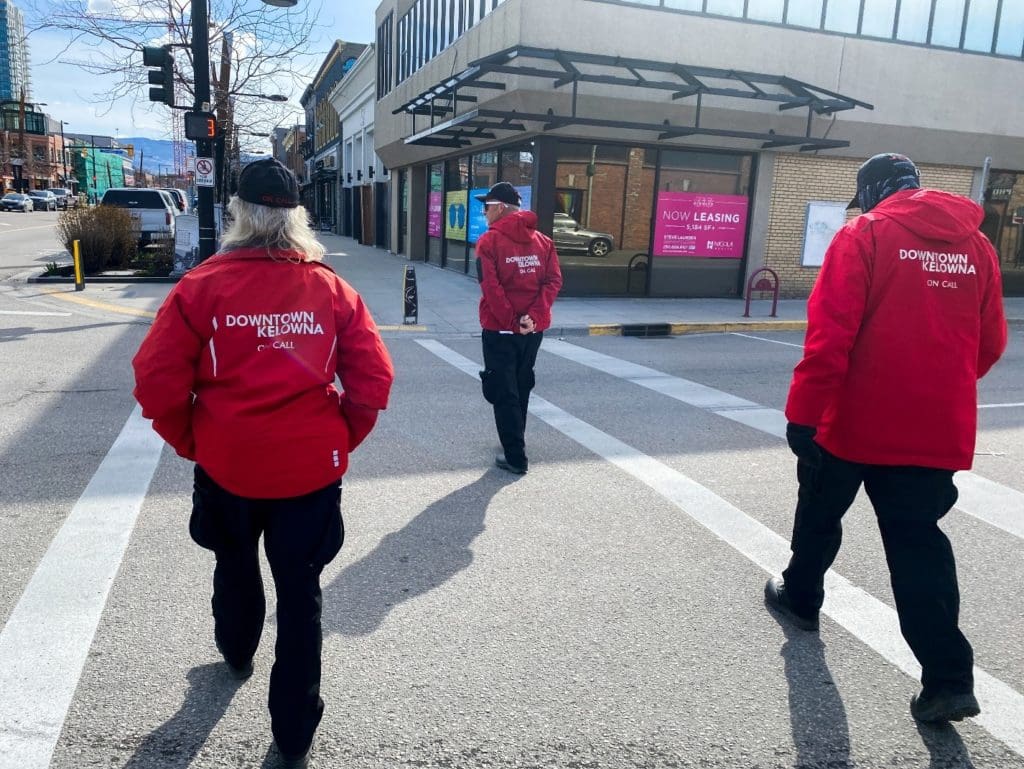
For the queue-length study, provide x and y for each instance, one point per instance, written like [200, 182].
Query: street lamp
[269, 97]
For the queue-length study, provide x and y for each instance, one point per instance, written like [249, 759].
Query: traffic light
[200, 126]
[163, 78]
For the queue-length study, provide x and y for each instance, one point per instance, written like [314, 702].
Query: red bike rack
[767, 282]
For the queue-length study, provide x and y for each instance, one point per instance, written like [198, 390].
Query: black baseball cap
[502, 192]
[887, 166]
[268, 182]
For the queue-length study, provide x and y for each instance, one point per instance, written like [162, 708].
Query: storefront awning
[447, 128]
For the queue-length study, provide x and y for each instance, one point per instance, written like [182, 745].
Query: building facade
[15, 78]
[31, 152]
[363, 181]
[690, 143]
[323, 131]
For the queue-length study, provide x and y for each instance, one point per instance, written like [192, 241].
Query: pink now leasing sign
[435, 205]
[700, 224]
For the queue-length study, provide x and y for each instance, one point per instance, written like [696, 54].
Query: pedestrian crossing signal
[200, 126]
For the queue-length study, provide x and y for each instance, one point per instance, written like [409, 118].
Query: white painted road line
[762, 339]
[44, 645]
[988, 501]
[1000, 405]
[867, 618]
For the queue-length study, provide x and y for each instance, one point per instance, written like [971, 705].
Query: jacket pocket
[491, 383]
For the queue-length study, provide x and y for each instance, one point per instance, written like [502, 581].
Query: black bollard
[411, 309]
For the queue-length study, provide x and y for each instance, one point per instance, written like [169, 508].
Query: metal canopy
[564, 68]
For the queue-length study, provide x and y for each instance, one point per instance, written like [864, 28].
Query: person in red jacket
[905, 317]
[519, 280]
[237, 374]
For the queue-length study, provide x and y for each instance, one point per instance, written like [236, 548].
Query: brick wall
[800, 179]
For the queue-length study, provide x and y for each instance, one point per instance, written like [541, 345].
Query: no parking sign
[205, 176]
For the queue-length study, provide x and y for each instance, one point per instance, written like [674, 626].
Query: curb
[103, 279]
[681, 328]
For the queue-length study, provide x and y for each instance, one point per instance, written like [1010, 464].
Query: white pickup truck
[152, 211]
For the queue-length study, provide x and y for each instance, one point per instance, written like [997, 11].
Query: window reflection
[948, 23]
[766, 10]
[726, 7]
[981, 21]
[842, 17]
[879, 18]
[1010, 40]
[684, 5]
[913, 22]
[804, 13]
[1004, 225]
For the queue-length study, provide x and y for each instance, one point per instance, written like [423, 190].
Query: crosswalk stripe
[988, 501]
[45, 642]
[867, 618]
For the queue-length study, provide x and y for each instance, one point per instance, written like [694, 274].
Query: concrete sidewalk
[448, 301]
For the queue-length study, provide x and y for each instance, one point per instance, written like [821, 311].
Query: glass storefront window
[842, 17]
[603, 204]
[684, 5]
[726, 7]
[700, 226]
[435, 214]
[1004, 225]
[456, 213]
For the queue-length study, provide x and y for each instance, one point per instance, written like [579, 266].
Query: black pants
[908, 502]
[507, 380]
[301, 535]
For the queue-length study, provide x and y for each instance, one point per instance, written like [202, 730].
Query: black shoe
[504, 464]
[942, 707]
[300, 761]
[239, 673]
[242, 673]
[775, 598]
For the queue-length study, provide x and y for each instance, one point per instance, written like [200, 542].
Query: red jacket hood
[932, 214]
[520, 226]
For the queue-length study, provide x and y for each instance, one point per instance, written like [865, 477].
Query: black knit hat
[268, 182]
[502, 192]
[881, 176]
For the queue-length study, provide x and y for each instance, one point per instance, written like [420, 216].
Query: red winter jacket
[519, 273]
[906, 316]
[237, 372]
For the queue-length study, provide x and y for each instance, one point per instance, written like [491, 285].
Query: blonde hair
[285, 229]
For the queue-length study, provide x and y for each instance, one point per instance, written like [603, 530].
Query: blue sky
[71, 94]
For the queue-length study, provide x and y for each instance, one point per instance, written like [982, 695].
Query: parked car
[43, 200]
[15, 201]
[152, 211]
[569, 237]
[65, 198]
[179, 198]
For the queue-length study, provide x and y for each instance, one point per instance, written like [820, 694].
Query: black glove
[801, 441]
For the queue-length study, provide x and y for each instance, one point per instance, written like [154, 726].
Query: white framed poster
[824, 220]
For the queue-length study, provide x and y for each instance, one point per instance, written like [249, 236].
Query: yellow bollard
[76, 254]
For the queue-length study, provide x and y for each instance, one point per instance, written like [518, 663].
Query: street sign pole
[201, 67]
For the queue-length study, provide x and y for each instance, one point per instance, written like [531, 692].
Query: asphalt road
[603, 611]
[28, 241]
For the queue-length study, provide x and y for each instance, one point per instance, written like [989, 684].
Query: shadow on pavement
[946, 749]
[432, 548]
[178, 740]
[817, 715]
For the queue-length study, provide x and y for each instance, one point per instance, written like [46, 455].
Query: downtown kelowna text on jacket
[905, 317]
[519, 273]
[237, 372]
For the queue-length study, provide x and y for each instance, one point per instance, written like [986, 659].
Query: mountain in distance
[155, 153]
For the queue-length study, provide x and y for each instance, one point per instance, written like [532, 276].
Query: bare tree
[267, 50]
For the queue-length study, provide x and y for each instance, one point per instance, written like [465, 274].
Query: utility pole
[201, 68]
